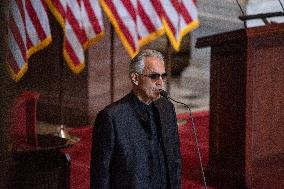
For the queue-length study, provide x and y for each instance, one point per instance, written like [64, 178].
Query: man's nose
[160, 81]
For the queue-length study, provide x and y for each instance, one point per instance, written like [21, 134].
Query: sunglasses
[155, 76]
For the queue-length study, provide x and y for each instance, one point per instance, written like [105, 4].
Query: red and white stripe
[16, 38]
[37, 25]
[92, 21]
[74, 37]
[28, 32]
[82, 23]
[188, 14]
[122, 14]
[179, 18]
[149, 24]
[58, 9]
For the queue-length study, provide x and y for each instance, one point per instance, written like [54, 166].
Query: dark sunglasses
[155, 76]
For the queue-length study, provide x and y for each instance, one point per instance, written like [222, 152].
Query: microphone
[166, 95]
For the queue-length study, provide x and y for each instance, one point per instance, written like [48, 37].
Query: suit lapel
[164, 124]
[163, 116]
[165, 130]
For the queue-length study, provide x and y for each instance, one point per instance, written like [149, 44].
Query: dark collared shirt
[157, 157]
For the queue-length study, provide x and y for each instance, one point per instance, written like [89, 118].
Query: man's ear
[134, 78]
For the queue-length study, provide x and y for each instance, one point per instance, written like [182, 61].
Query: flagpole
[60, 91]
[61, 130]
[111, 63]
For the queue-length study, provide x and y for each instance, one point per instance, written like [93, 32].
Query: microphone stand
[164, 94]
[243, 14]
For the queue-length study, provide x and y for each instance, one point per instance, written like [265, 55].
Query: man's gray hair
[137, 63]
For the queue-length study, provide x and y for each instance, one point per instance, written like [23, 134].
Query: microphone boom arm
[164, 94]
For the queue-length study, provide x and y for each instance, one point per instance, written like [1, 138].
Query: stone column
[7, 94]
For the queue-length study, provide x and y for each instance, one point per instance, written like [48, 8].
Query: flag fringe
[75, 68]
[122, 37]
[56, 13]
[41, 45]
[151, 37]
[17, 76]
[176, 42]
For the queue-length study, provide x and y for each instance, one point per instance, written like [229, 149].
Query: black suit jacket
[121, 153]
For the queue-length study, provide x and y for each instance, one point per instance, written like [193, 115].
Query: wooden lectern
[246, 144]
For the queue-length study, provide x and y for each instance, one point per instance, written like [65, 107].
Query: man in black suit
[135, 140]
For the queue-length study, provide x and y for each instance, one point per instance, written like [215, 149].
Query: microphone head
[164, 93]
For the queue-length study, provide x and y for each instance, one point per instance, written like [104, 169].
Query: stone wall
[215, 16]
[259, 6]
[107, 80]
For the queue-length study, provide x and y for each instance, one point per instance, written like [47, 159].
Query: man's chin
[156, 96]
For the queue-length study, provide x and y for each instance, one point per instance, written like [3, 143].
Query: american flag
[82, 23]
[179, 17]
[122, 15]
[92, 21]
[149, 24]
[135, 21]
[138, 22]
[28, 32]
